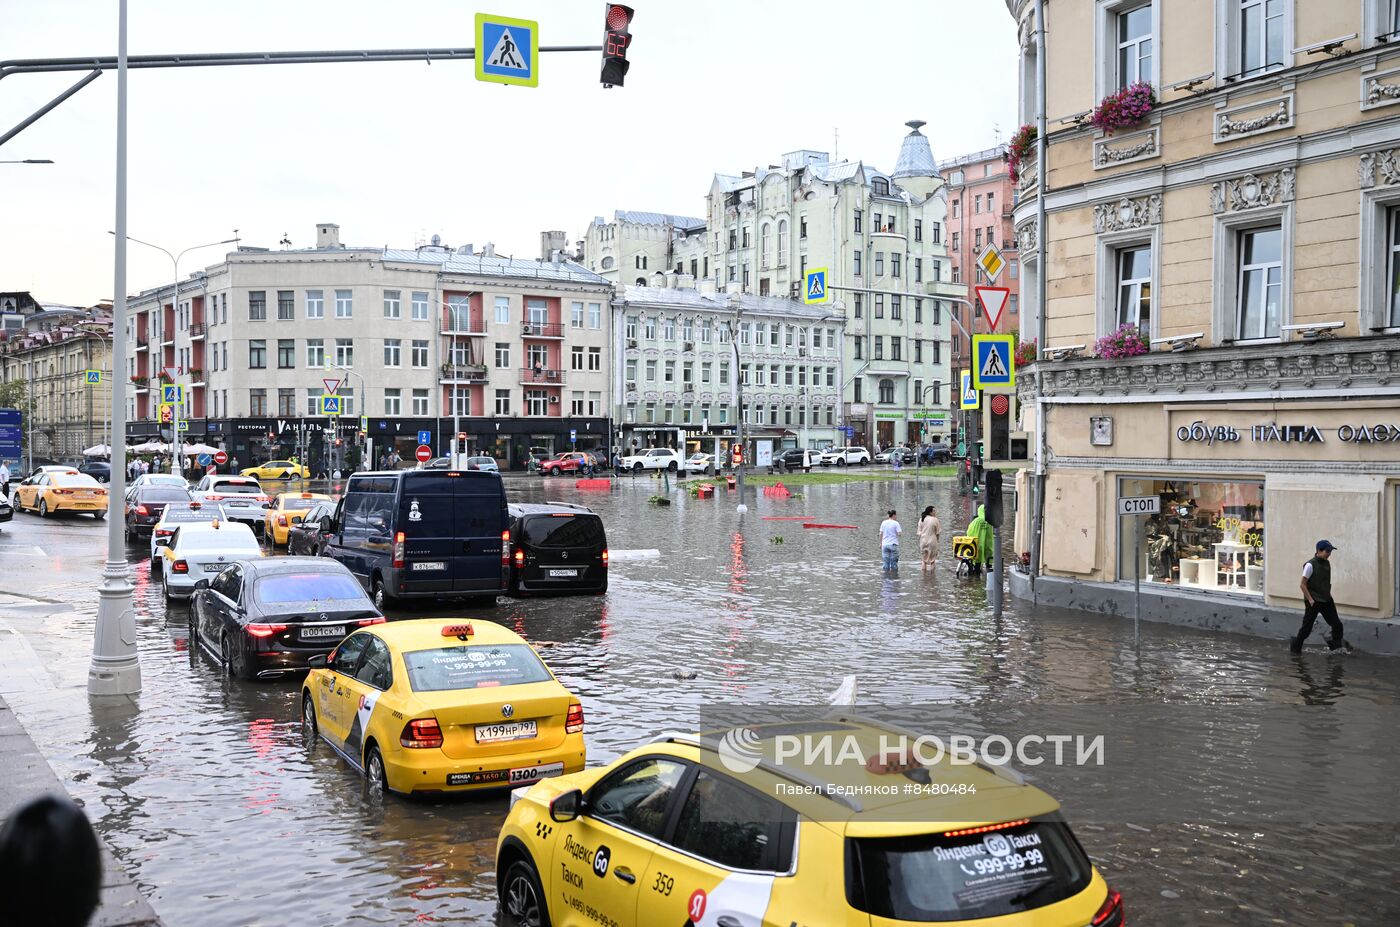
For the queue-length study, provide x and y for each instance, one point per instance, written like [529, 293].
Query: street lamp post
[177, 441]
[116, 667]
[88, 329]
[736, 301]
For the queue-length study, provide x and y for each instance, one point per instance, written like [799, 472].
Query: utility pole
[736, 300]
[1042, 448]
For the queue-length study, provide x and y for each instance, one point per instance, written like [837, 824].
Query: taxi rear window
[479, 666]
[934, 877]
[297, 505]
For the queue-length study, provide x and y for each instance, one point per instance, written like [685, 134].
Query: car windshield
[297, 504]
[935, 877]
[481, 460]
[473, 667]
[166, 478]
[281, 588]
[563, 530]
[162, 494]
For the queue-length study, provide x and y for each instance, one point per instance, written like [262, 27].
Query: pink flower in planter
[1126, 341]
[1125, 108]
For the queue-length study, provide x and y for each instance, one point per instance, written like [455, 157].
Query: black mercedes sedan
[265, 618]
[145, 506]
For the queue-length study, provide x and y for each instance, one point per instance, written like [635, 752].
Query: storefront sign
[1203, 432]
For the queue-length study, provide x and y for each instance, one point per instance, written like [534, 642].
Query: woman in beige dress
[930, 529]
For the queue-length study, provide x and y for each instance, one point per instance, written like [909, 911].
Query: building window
[502, 354]
[315, 304]
[879, 305]
[576, 358]
[887, 391]
[502, 402]
[880, 186]
[595, 359]
[345, 352]
[631, 327]
[651, 371]
[957, 274]
[286, 305]
[576, 315]
[393, 401]
[896, 347]
[856, 265]
[313, 401]
[802, 227]
[1390, 314]
[257, 402]
[315, 352]
[782, 244]
[649, 327]
[576, 403]
[1015, 303]
[502, 310]
[257, 305]
[257, 354]
[393, 352]
[957, 208]
[918, 351]
[668, 328]
[894, 265]
[420, 307]
[1208, 537]
[420, 354]
[957, 236]
[859, 308]
[286, 353]
[595, 316]
[857, 219]
[391, 304]
[669, 371]
[536, 402]
[1259, 297]
[344, 304]
[895, 306]
[1134, 290]
[420, 402]
[879, 347]
[918, 270]
[879, 263]
[977, 203]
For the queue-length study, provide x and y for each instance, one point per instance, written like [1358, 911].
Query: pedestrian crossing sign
[507, 50]
[970, 399]
[172, 394]
[330, 405]
[993, 361]
[815, 290]
[92, 377]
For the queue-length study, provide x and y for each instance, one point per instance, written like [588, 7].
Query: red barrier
[706, 491]
[777, 490]
[731, 482]
[809, 524]
[593, 484]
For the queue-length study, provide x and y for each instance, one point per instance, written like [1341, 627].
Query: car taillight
[520, 558]
[605, 556]
[366, 622]
[213, 497]
[163, 532]
[61, 492]
[282, 520]
[142, 510]
[398, 550]
[573, 721]
[1111, 914]
[265, 630]
[421, 733]
[505, 547]
[181, 566]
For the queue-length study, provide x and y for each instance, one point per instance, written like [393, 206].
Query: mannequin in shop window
[1161, 551]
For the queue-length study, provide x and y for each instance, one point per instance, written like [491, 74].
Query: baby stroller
[965, 552]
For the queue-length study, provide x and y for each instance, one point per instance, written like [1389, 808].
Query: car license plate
[510, 730]
[430, 565]
[214, 567]
[535, 773]
[333, 630]
[557, 573]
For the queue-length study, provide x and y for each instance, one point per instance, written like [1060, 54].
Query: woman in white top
[930, 530]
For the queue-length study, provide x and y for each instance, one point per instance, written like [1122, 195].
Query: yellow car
[727, 828]
[278, 470]
[54, 490]
[288, 509]
[432, 706]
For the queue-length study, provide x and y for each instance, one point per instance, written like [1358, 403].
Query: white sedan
[842, 456]
[699, 463]
[656, 458]
[198, 551]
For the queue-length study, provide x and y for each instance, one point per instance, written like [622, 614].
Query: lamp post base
[115, 667]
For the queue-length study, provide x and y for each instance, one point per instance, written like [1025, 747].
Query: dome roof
[915, 155]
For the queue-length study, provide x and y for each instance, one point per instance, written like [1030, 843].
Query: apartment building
[634, 246]
[1247, 227]
[64, 412]
[881, 238]
[432, 339]
[683, 355]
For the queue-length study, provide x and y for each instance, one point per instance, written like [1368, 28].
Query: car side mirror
[162, 542]
[202, 584]
[318, 662]
[327, 525]
[566, 807]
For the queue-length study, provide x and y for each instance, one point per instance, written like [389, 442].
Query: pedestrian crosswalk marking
[992, 366]
[507, 53]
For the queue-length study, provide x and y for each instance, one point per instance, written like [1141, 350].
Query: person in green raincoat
[981, 529]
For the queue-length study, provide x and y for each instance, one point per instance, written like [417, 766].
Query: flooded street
[227, 817]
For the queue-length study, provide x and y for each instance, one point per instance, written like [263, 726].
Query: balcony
[197, 331]
[168, 342]
[541, 376]
[541, 330]
[142, 342]
[196, 376]
[462, 373]
[142, 384]
[464, 328]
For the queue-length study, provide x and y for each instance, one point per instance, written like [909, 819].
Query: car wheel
[840, 461]
[671, 466]
[380, 595]
[43, 508]
[99, 516]
[165, 589]
[308, 715]
[637, 467]
[522, 899]
[235, 659]
[375, 776]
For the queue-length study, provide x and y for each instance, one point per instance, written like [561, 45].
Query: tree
[12, 394]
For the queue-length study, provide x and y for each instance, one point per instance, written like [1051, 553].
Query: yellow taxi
[61, 490]
[748, 827]
[431, 706]
[278, 470]
[288, 509]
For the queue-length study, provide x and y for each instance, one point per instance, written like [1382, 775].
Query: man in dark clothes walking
[1317, 593]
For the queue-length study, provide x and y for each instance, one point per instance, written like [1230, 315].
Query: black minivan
[557, 548]
[423, 534]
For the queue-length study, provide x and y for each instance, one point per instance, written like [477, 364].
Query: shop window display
[1209, 535]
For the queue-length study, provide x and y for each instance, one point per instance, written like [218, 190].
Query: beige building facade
[64, 413]
[1248, 228]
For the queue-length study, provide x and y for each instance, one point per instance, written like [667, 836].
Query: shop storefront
[1208, 536]
[512, 440]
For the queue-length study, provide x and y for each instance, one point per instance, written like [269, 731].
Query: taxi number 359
[663, 884]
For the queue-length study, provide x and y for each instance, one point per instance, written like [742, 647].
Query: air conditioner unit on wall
[554, 400]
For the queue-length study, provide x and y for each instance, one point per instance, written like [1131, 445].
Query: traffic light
[461, 442]
[338, 442]
[993, 498]
[616, 40]
[736, 454]
[998, 413]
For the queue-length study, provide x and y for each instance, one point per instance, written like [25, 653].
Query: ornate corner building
[1248, 227]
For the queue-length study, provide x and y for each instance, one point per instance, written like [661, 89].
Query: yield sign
[994, 300]
[331, 385]
[170, 373]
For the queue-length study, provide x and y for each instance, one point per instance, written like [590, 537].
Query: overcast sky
[397, 152]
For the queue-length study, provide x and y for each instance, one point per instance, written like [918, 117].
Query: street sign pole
[1136, 507]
